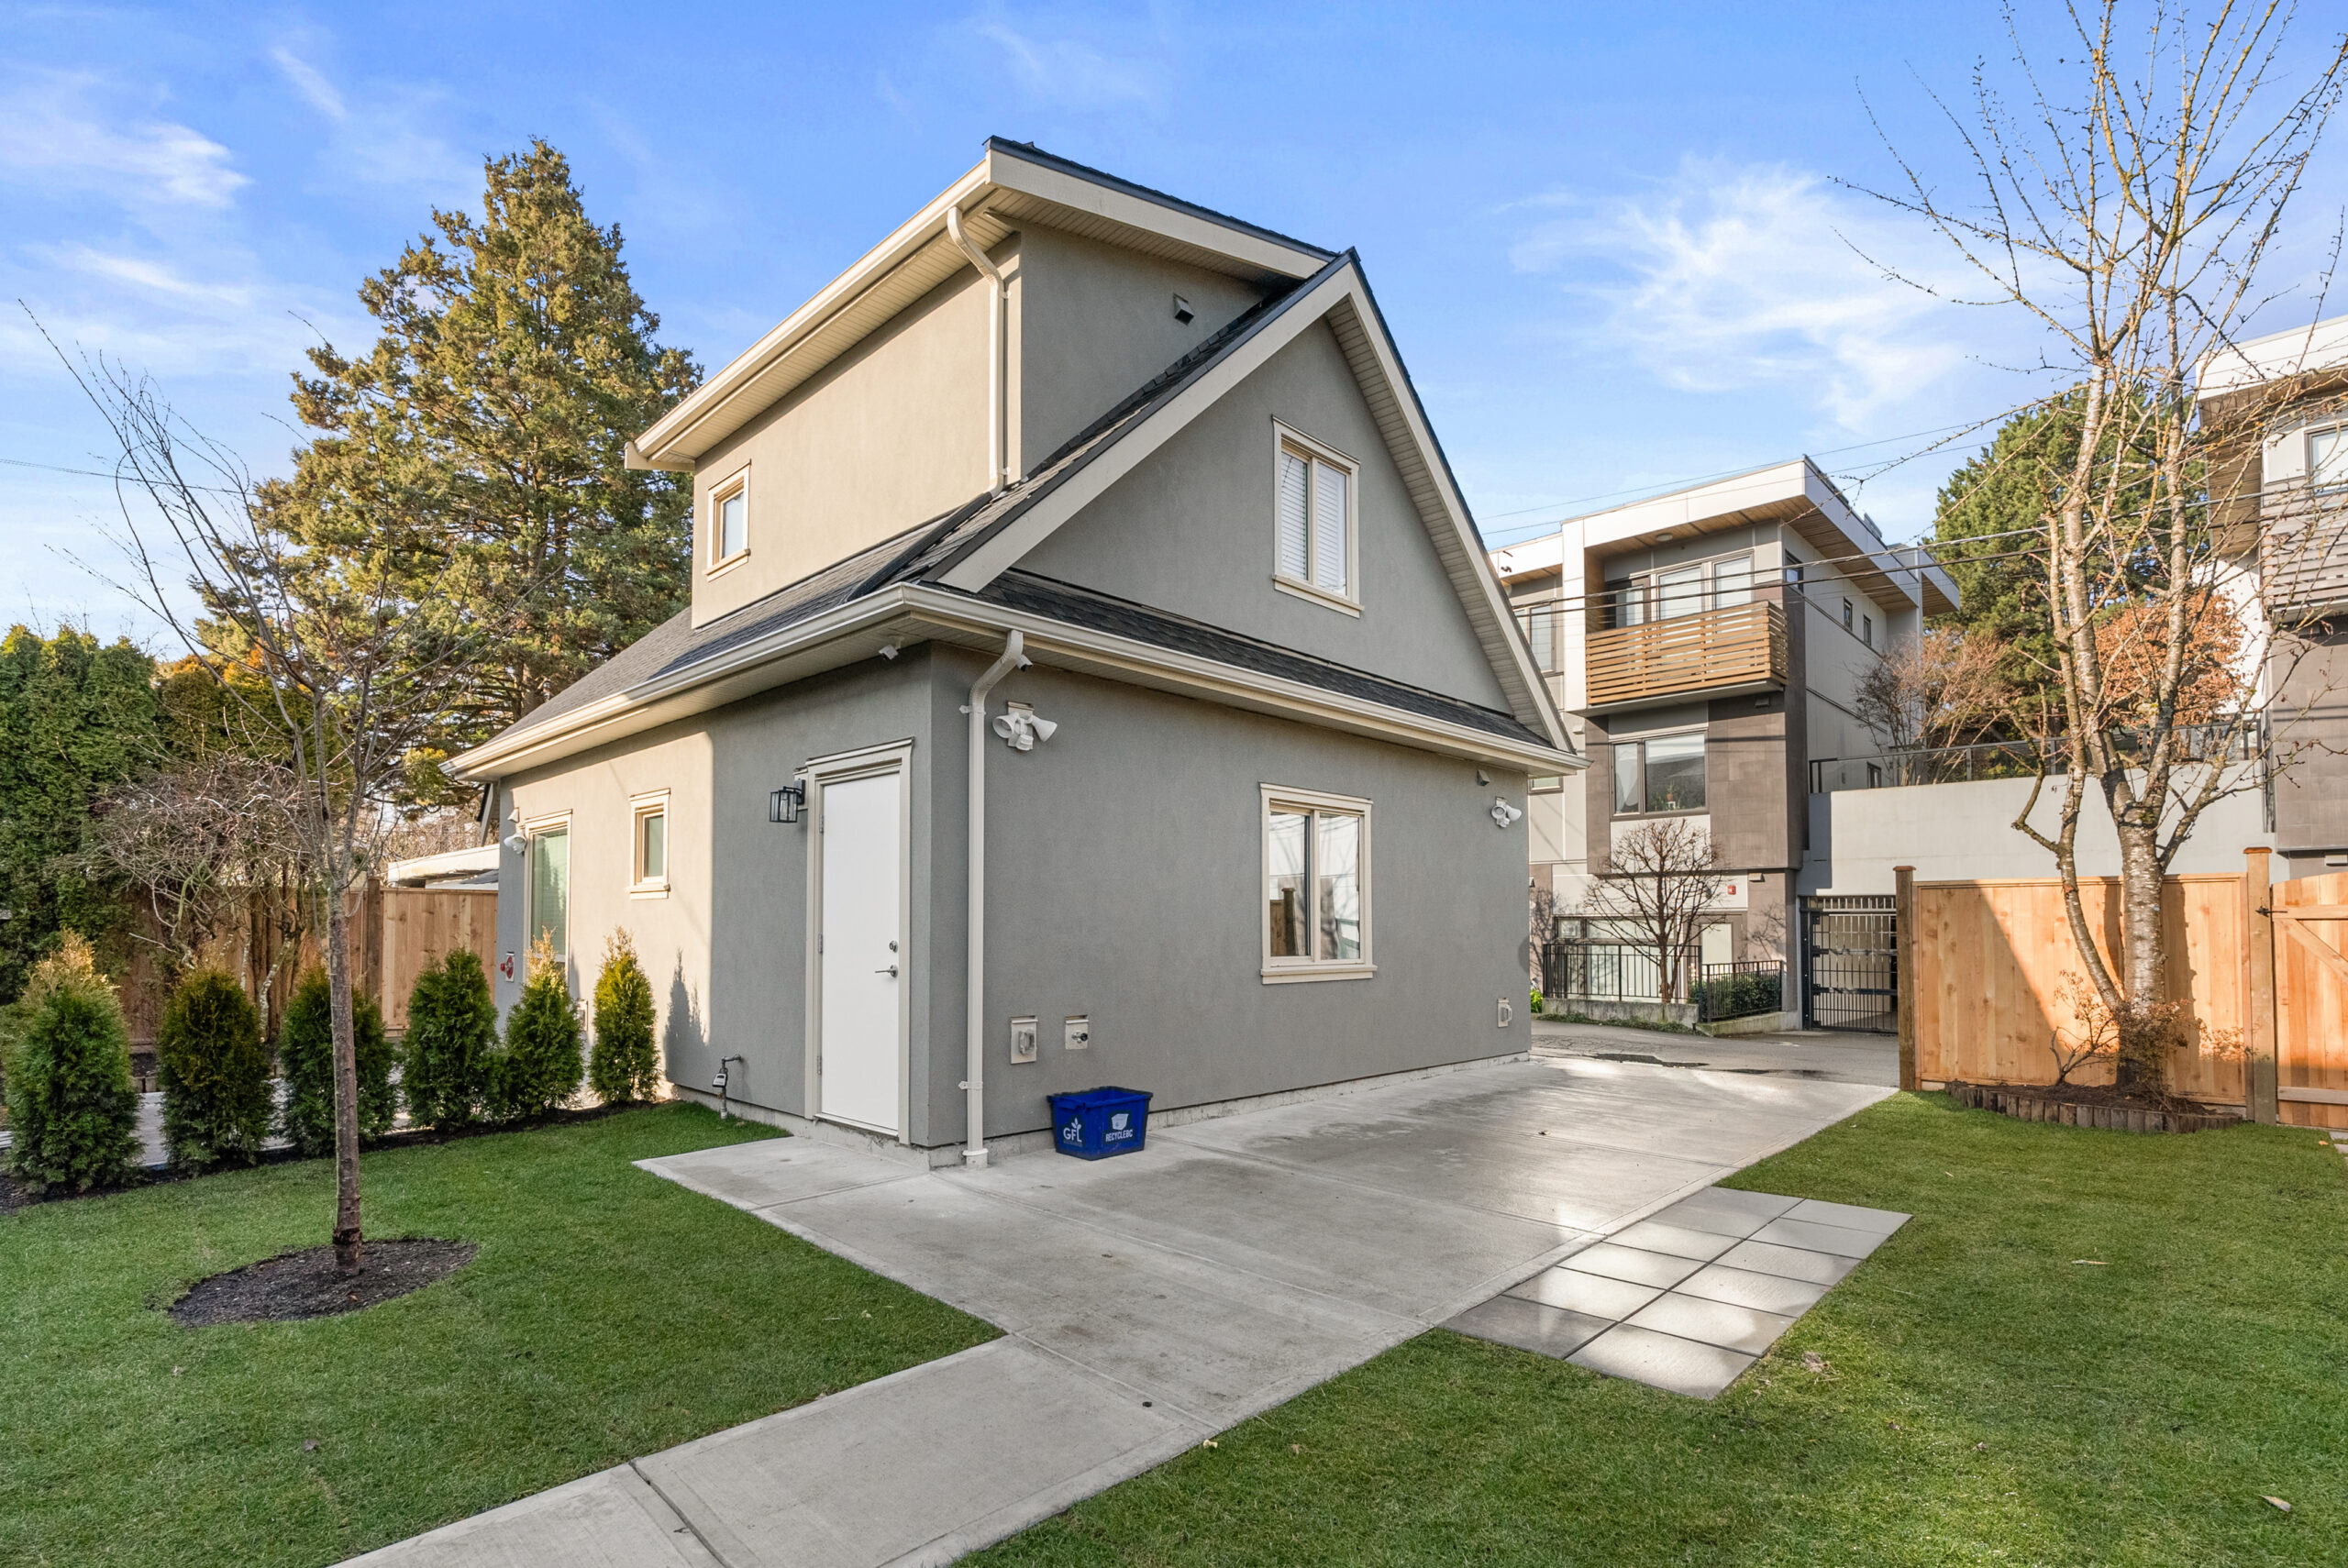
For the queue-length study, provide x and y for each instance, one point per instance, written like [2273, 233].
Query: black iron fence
[1598, 971]
[1852, 945]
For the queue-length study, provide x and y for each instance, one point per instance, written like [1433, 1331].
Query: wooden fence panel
[2310, 1001]
[417, 926]
[1990, 958]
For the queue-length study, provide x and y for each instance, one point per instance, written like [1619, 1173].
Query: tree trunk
[2143, 1055]
[346, 1252]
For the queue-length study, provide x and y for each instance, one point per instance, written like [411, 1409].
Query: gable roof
[957, 571]
[1012, 183]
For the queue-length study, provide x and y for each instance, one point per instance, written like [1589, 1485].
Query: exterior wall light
[1021, 730]
[1504, 815]
[784, 804]
[514, 844]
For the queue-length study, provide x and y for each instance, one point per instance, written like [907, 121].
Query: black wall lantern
[783, 805]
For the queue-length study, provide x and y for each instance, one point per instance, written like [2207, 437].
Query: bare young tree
[1658, 884]
[212, 846]
[1944, 689]
[2128, 209]
[324, 658]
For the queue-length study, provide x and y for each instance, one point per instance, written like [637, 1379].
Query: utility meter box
[1022, 1039]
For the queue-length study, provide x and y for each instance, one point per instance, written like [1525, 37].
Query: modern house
[1707, 648]
[1092, 676]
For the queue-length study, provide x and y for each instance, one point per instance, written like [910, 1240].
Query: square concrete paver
[1761, 1292]
[1529, 1325]
[1630, 1263]
[1788, 1262]
[1711, 1323]
[1727, 1211]
[1662, 1361]
[1679, 1240]
[1840, 1241]
[1612, 1299]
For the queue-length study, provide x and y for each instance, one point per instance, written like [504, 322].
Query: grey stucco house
[1080, 573]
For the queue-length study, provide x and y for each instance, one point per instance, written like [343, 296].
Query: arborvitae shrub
[541, 1065]
[214, 1072]
[305, 1056]
[451, 1043]
[71, 1108]
[624, 1065]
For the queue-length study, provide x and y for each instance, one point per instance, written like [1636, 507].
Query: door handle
[891, 971]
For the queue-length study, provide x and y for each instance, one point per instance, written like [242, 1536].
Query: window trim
[1289, 971]
[533, 829]
[1285, 437]
[1645, 584]
[653, 802]
[720, 492]
[2307, 456]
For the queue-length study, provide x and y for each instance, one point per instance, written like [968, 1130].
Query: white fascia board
[1038, 523]
[1006, 169]
[910, 612]
[2322, 346]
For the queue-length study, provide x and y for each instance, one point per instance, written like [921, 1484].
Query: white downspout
[974, 1091]
[998, 455]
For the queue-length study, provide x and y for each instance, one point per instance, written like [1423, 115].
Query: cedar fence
[2260, 968]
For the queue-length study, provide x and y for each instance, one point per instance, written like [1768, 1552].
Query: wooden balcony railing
[1743, 646]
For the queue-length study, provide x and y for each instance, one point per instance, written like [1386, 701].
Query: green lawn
[1991, 1399]
[608, 1314]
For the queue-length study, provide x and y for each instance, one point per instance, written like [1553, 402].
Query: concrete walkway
[1148, 1301]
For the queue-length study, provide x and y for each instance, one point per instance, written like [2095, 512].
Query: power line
[100, 473]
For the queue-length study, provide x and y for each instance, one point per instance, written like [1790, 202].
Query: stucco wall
[1966, 832]
[1190, 530]
[892, 434]
[1124, 882]
[1094, 323]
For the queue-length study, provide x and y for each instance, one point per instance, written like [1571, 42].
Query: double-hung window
[1665, 774]
[1316, 886]
[1313, 521]
[550, 871]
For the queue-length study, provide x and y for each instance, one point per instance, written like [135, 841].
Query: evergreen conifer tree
[72, 1115]
[214, 1072]
[541, 1065]
[451, 1044]
[306, 1057]
[624, 1065]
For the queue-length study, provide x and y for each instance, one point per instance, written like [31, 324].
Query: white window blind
[1328, 527]
[1295, 541]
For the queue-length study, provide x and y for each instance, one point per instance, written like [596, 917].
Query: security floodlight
[1503, 814]
[1021, 730]
[515, 843]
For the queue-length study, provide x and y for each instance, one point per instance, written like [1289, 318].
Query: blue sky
[1607, 236]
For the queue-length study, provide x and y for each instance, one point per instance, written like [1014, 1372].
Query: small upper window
[1540, 624]
[1732, 581]
[1846, 614]
[2328, 457]
[1313, 522]
[651, 844]
[731, 538]
[1866, 630]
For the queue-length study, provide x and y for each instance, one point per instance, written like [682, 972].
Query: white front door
[862, 970]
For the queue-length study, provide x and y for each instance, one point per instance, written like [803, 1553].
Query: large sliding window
[1722, 582]
[1316, 886]
[1665, 774]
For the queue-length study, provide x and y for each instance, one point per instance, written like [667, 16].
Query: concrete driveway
[1148, 1301]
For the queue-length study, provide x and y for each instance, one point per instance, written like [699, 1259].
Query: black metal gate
[1851, 962]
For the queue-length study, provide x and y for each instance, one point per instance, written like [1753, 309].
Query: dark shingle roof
[924, 553]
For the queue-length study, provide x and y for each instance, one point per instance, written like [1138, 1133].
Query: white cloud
[314, 89]
[54, 138]
[1070, 72]
[1727, 278]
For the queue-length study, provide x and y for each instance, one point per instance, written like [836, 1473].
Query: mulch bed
[2092, 1105]
[295, 1285]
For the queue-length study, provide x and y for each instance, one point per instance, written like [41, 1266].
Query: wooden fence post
[1903, 936]
[2258, 1076]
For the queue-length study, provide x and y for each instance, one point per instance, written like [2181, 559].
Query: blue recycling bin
[1094, 1124]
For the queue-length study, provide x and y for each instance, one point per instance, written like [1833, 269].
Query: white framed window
[547, 910]
[1846, 614]
[729, 520]
[2328, 457]
[1314, 549]
[1866, 630]
[1720, 582]
[1540, 624]
[1315, 887]
[648, 844]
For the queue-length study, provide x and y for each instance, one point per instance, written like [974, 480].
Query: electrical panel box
[1022, 1039]
[1079, 1032]
[1507, 1014]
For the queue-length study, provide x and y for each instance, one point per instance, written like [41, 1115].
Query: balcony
[1716, 653]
